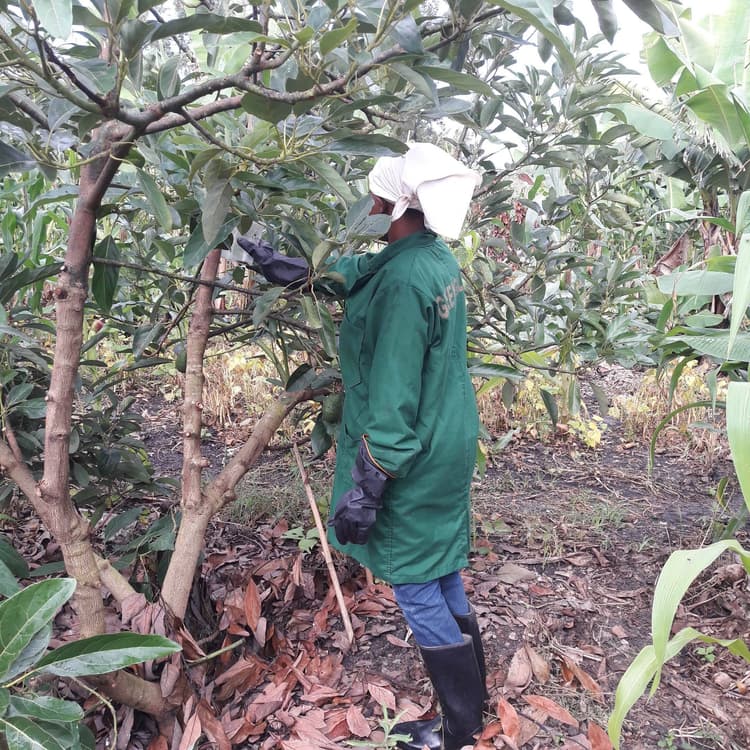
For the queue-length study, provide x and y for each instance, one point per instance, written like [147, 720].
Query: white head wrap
[428, 179]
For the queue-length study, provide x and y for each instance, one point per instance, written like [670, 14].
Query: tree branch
[18, 472]
[26, 105]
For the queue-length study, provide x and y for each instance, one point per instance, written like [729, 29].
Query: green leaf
[301, 378]
[22, 733]
[56, 16]
[133, 35]
[406, 33]
[121, 521]
[696, 283]
[46, 708]
[104, 281]
[742, 221]
[716, 345]
[210, 22]
[540, 14]
[371, 227]
[563, 15]
[13, 160]
[738, 432]
[551, 405]
[10, 556]
[196, 248]
[321, 252]
[641, 671]
[169, 77]
[335, 37]
[156, 200]
[421, 82]
[217, 201]
[8, 583]
[741, 290]
[680, 570]
[265, 303]
[731, 28]
[648, 11]
[328, 332]
[320, 440]
[18, 394]
[33, 408]
[368, 145]
[330, 176]
[144, 336]
[605, 12]
[480, 369]
[358, 212]
[461, 81]
[646, 122]
[38, 644]
[663, 63]
[28, 612]
[716, 106]
[266, 108]
[105, 653]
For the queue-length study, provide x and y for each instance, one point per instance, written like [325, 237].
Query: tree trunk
[54, 503]
[199, 505]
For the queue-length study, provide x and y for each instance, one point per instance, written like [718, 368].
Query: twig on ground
[326, 549]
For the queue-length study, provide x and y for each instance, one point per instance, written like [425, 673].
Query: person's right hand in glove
[276, 267]
[356, 509]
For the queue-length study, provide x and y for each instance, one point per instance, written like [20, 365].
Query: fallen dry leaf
[512, 573]
[271, 699]
[529, 730]
[579, 742]
[192, 733]
[398, 642]
[539, 665]
[584, 678]
[598, 737]
[212, 727]
[519, 672]
[509, 720]
[552, 709]
[382, 696]
[539, 590]
[252, 604]
[490, 731]
[356, 722]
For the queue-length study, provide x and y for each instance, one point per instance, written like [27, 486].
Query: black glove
[356, 509]
[277, 268]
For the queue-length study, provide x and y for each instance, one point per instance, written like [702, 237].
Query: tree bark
[52, 500]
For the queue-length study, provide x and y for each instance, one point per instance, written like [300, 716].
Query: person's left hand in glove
[275, 266]
[357, 508]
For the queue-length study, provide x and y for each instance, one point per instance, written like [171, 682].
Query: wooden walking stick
[326, 549]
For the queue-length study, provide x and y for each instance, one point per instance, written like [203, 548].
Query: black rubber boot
[468, 625]
[455, 675]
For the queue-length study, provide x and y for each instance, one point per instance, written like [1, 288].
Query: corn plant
[684, 566]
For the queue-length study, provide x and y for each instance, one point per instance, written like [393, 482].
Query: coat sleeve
[342, 274]
[397, 337]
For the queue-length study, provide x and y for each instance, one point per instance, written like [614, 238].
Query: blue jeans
[429, 609]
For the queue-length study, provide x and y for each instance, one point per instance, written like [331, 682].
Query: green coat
[402, 349]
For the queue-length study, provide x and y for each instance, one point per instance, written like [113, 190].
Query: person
[407, 444]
